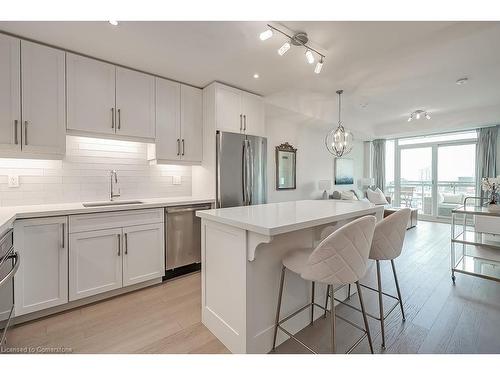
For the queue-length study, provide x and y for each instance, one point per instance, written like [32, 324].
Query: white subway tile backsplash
[83, 175]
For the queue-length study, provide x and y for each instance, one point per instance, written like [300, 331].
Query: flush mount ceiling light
[299, 39]
[256, 75]
[114, 23]
[339, 141]
[416, 115]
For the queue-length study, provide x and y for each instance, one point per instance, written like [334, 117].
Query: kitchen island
[242, 248]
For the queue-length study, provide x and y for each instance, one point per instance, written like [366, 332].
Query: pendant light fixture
[339, 141]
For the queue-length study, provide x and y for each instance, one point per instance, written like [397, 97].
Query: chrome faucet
[113, 176]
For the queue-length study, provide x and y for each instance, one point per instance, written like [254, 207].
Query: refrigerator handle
[244, 172]
[218, 203]
[250, 168]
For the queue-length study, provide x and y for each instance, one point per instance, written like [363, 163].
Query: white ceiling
[387, 69]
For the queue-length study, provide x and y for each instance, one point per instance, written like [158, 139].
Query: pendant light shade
[339, 141]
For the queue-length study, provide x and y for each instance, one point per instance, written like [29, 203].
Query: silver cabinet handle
[26, 133]
[119, 244]
[178, 147]
[126, 244]
[15, 132]
[112, 118]
[241, 122]
[244, 122]
[63, 235]
[119, 118]
[183, 145]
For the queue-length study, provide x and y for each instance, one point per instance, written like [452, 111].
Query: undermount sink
[112, 203]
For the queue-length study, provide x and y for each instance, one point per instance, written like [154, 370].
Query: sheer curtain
[378, 163]
[486, 155]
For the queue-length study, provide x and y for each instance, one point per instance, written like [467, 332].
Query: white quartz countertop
[277, 218]
[9, 214]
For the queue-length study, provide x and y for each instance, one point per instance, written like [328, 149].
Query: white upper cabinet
[43, 99]
[168, 120]
[179, 123]
[191, 124]
[91, 95]
[229, 116]
[135, 103]
[252, 108]
[42, 279]
[10, 93]
[238, 111]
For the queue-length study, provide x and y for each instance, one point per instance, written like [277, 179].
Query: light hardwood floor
[441, 318]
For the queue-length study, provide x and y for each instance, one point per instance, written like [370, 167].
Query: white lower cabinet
[102, 260]
[143, 255]
[42, 279]
[95, 262]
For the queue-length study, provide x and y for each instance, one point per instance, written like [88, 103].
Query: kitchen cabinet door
[144, 253]
[168, 119]
[191, 124]
[228, 109]
[43, 99]
[10, 93]
[253, 112]
[135, 103]
[95, 262]
[42, 278]
[91, 95]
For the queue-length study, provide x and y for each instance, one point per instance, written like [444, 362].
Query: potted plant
[491, 185]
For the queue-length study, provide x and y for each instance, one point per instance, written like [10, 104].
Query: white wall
[314, 162]
[83, 175]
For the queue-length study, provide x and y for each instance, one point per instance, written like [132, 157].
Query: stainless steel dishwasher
[183, 240]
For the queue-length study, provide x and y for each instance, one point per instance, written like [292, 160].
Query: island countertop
[277, 218]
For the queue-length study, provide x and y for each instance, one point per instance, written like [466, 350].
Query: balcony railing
[418, 194]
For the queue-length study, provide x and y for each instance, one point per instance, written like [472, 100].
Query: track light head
[319, 66]
[309, 57]
[265, 35]
[284, 48]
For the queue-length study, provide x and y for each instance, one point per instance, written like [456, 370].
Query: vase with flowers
[491, 186]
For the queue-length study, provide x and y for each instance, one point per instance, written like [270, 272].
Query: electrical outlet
[176, 180]
[13, 181]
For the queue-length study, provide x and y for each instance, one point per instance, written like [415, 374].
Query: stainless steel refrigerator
[241, 169]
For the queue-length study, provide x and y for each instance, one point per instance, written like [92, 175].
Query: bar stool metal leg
[380, 303]
[398, 290]
[365, 319]
[326, 300]
[332, 318]
[280, 295]
[312, 303]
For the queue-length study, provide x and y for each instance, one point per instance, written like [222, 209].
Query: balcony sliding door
[435, 174]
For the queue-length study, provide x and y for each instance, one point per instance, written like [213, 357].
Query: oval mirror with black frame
[286, 161]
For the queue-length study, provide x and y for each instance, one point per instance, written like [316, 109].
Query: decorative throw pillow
[347, 195]
[335, 195]
[376, 197]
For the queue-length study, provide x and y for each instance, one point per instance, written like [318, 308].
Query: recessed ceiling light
[114, 23]
[462, 81]
[256, 75]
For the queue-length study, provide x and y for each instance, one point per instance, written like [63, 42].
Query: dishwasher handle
[171, 210]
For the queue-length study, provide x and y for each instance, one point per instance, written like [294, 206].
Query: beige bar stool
[387, 244]
[340, 259]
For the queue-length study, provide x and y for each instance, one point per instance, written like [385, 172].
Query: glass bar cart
[474, 253]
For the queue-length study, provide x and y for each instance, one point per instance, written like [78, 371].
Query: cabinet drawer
[114, 219]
